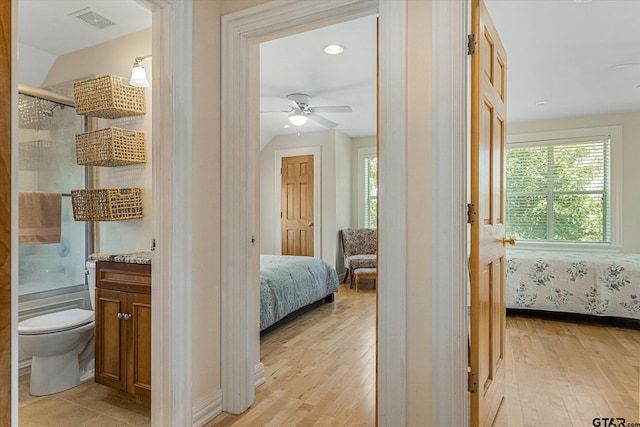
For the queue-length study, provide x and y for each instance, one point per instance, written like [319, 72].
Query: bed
[594, 284]
[289, 283]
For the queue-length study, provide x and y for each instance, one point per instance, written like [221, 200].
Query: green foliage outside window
[558, 192]
[371, 192]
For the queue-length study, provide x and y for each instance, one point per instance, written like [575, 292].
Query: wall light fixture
[138, 74]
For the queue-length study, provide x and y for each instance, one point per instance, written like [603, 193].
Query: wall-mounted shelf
[107, 204]
[107, 97]
[110, 147]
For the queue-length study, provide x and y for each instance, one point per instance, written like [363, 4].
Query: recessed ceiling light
[582, 1]
[543, 102]
[286, 126]
[333, 49]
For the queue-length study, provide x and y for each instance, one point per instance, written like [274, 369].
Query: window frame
[615, 181]
[363, 153]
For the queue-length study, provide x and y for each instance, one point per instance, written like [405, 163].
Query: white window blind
[559, 190]
[370, 191]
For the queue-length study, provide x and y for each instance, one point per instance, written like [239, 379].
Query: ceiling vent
[92, 18]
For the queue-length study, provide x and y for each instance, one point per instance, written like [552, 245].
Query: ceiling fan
[300, 111]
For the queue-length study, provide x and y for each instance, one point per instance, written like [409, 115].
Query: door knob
[510, 241]
[310, 224]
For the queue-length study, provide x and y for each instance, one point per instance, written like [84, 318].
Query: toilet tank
[91, 282]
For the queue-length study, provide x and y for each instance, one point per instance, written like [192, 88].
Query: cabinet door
[139, 345]
[110, 335]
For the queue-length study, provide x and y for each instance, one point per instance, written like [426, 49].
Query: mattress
[288, 283]
[599, 284]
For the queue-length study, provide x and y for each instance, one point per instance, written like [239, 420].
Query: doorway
[231, 154]
[433, 347]
[51, 272]
[296, 205]
[273, 221]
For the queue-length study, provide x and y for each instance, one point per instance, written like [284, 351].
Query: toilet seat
[55, 322]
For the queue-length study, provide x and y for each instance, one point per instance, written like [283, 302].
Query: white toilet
[61, 345]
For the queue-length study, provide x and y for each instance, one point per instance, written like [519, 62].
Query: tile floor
[89, 404]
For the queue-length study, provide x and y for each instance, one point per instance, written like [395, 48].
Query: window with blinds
[559, 190]
[370, 191]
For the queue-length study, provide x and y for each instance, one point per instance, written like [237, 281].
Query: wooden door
[488, 114]
[5, 213]
[110, 342]
[297, 205]
[139, 345]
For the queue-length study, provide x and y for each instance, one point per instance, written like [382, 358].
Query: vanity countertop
[139, 257]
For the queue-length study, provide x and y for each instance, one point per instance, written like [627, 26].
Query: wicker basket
[35, 155]
[110, 147]
[107, 204]
[107, 97]
[31, 112]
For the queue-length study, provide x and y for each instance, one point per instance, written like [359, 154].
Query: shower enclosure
[48, 124]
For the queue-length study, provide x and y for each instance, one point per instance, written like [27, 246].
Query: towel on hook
[39, 217]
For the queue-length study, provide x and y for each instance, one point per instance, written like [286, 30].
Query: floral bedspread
[575, 282]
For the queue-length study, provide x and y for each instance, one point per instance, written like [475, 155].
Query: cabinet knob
[120, 315]
[126, 316]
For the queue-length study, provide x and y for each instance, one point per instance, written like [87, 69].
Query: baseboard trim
[211, 407]
[260, 378]
[24, 366]
[207, 410]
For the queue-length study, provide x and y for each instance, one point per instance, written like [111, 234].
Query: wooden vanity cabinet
[123, 327]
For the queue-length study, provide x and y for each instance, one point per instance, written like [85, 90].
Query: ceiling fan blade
[293, 104]
[326, 122]
[277, 111]
[333, 109]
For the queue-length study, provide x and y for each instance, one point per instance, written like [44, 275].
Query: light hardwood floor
[567, 374]
[320, 371]
[320, 368]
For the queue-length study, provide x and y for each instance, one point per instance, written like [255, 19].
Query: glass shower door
[47, 163]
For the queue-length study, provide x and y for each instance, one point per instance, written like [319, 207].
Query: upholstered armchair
[359, 246]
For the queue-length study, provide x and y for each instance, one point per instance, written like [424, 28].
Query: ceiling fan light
[298, 119]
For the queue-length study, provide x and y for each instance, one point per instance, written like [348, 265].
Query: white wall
[420, 220]
[206, 204]
[116, 57]
[630, 123]
[33, 64]
[334, 214]
[344, 196]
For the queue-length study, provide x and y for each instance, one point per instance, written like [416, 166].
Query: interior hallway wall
[206, 331]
